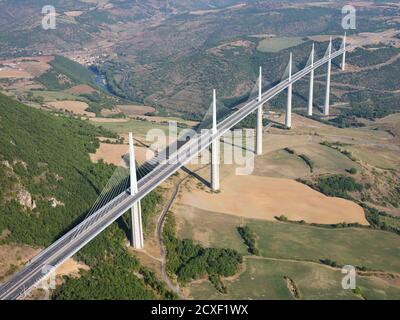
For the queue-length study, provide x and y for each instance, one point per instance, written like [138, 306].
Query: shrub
[352, 170]
[249, 239]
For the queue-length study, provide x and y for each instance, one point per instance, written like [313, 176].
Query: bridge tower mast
[328, 79]
[214, 148]
[311, 92]
[136, 210]
[288, 119]
[344, 52]
[259, 117]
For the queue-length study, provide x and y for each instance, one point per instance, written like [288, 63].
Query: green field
[278, 44]
[374, 249]
[217, 230]
[294, 250]
[376, 156]
[136, 126]
[325, 159]
[359, 247]
[55, 95]
[280, 164]
[264, 279]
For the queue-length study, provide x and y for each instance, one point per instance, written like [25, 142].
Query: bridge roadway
[74, 240]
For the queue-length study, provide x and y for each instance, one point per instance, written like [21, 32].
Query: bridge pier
[328, 80]
[311, 92]
[215, 148]
[288, 119]
[344, 52]
[259, 117]
[136, 211]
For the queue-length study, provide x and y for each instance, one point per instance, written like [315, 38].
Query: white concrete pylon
[259, 117]
[214, 111]
[328, 79]
[214, 148]
[260, 84]
[288, 119]
[344, 52]
[136, 214]
[311, 91]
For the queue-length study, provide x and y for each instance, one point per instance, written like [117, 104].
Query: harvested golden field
[23, 84]
[35, 67]
[264, 198]
[13, 73]
[81, 89]
[158, 119]
[25, 67]
[115, 153]
[135, 110]
[77, 107]
[109, 112]
[73, 13]
[111, 153]
[108, 120]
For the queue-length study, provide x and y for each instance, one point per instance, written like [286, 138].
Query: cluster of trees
[337, 186]
[334, 145]
[348, 154]
[329, 262]
[308, 161]
[352, 170]
[380, 54]
[249, 238]
[283, 218]
[289, 150]
[150, 278]
[190, 261]
[104, 282]
[73, 70]
[373, 107]
[385, 79]
[382, 220]
[98, 101]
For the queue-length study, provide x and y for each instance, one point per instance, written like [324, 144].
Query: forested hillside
[64, 74]
[47, 179]
[47, 183]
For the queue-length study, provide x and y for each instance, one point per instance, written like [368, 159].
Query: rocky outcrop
[24, 198]
[54, 202]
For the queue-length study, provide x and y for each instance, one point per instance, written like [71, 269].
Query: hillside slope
[47, 183]
[46, 178]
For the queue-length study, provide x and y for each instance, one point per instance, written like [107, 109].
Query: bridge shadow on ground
[124, 226]
[244, 148]
[197, 176]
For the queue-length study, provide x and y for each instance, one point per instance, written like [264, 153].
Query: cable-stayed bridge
[131, 191]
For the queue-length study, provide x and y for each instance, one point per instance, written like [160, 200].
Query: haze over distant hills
[170, 54]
